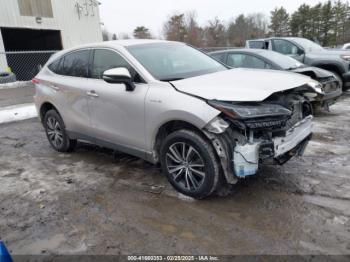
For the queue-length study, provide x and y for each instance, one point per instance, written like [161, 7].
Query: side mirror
[301, 51]
[119, 75]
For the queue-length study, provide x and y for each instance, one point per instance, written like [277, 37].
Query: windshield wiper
[171, 79]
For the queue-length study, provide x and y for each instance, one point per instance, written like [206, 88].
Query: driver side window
[285, 47]
[107, 59]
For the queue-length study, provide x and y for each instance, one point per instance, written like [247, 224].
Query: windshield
[283, 61]
[174, 61]
[308, 45]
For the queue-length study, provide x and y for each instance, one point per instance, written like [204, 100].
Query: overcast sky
[122, 16]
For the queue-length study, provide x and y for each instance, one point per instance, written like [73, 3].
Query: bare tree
[194, 31]
[215, 33]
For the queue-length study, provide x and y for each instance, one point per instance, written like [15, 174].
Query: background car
[265, 59]
[345, 46]
[309, 53]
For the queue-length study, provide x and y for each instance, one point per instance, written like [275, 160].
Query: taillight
[35, 81]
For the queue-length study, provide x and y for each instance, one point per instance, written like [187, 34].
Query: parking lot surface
[96, 201]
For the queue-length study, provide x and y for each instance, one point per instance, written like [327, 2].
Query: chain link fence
[22, 65]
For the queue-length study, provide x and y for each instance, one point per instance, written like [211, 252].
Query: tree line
[327, 23]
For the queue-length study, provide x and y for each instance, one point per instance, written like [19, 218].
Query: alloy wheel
[185, 165]
[54, 132]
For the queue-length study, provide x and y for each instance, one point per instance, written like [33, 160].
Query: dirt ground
[94, 201]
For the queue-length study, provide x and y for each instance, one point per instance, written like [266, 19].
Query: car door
[246, 61]
[68, 83]
[288, 48]
[117, 115]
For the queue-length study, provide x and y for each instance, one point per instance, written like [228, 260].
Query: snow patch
[17, 113]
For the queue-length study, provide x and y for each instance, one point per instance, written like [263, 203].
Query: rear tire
[56, 132]
[190, 164]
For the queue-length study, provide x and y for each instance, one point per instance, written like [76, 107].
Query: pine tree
[327, 23]
[280, 22]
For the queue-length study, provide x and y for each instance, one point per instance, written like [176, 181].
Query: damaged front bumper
[241, 157]
[294, 136]
[248, 157]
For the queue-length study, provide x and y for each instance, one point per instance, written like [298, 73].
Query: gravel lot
[95, 201]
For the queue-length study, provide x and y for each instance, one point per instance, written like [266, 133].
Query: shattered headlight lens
[317, 86]
[243, 111]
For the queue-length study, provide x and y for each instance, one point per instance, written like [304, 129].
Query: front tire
[190, 164]
[56, 132]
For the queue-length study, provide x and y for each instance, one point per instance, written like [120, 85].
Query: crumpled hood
[240, 84]
[319, 73]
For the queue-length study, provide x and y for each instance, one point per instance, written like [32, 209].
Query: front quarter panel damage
[242, 147]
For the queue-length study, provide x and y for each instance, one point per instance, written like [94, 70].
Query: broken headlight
[316, 86]
[244, 111]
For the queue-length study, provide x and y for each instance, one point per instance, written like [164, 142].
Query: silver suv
[169, 103]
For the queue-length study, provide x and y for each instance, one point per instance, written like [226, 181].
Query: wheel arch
[45, 107]
[169, 127]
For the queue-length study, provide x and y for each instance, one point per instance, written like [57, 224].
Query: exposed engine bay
[247, 135]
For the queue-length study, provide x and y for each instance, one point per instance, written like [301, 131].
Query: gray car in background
[169, 103]
[266, 59]
[309, 53]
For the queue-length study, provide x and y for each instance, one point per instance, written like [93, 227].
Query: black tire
[6, 77]
[201, 170]
[56, 132]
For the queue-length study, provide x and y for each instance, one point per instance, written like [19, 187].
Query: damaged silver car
[169, 103]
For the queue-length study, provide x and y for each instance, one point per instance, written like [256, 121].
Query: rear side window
[257, 44]
[75, 64]
[219, 57]
[56, 66]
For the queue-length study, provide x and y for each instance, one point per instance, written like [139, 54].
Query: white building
[47, 25]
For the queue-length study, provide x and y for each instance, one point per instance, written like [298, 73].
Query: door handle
[54, 87]
[92, 93]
